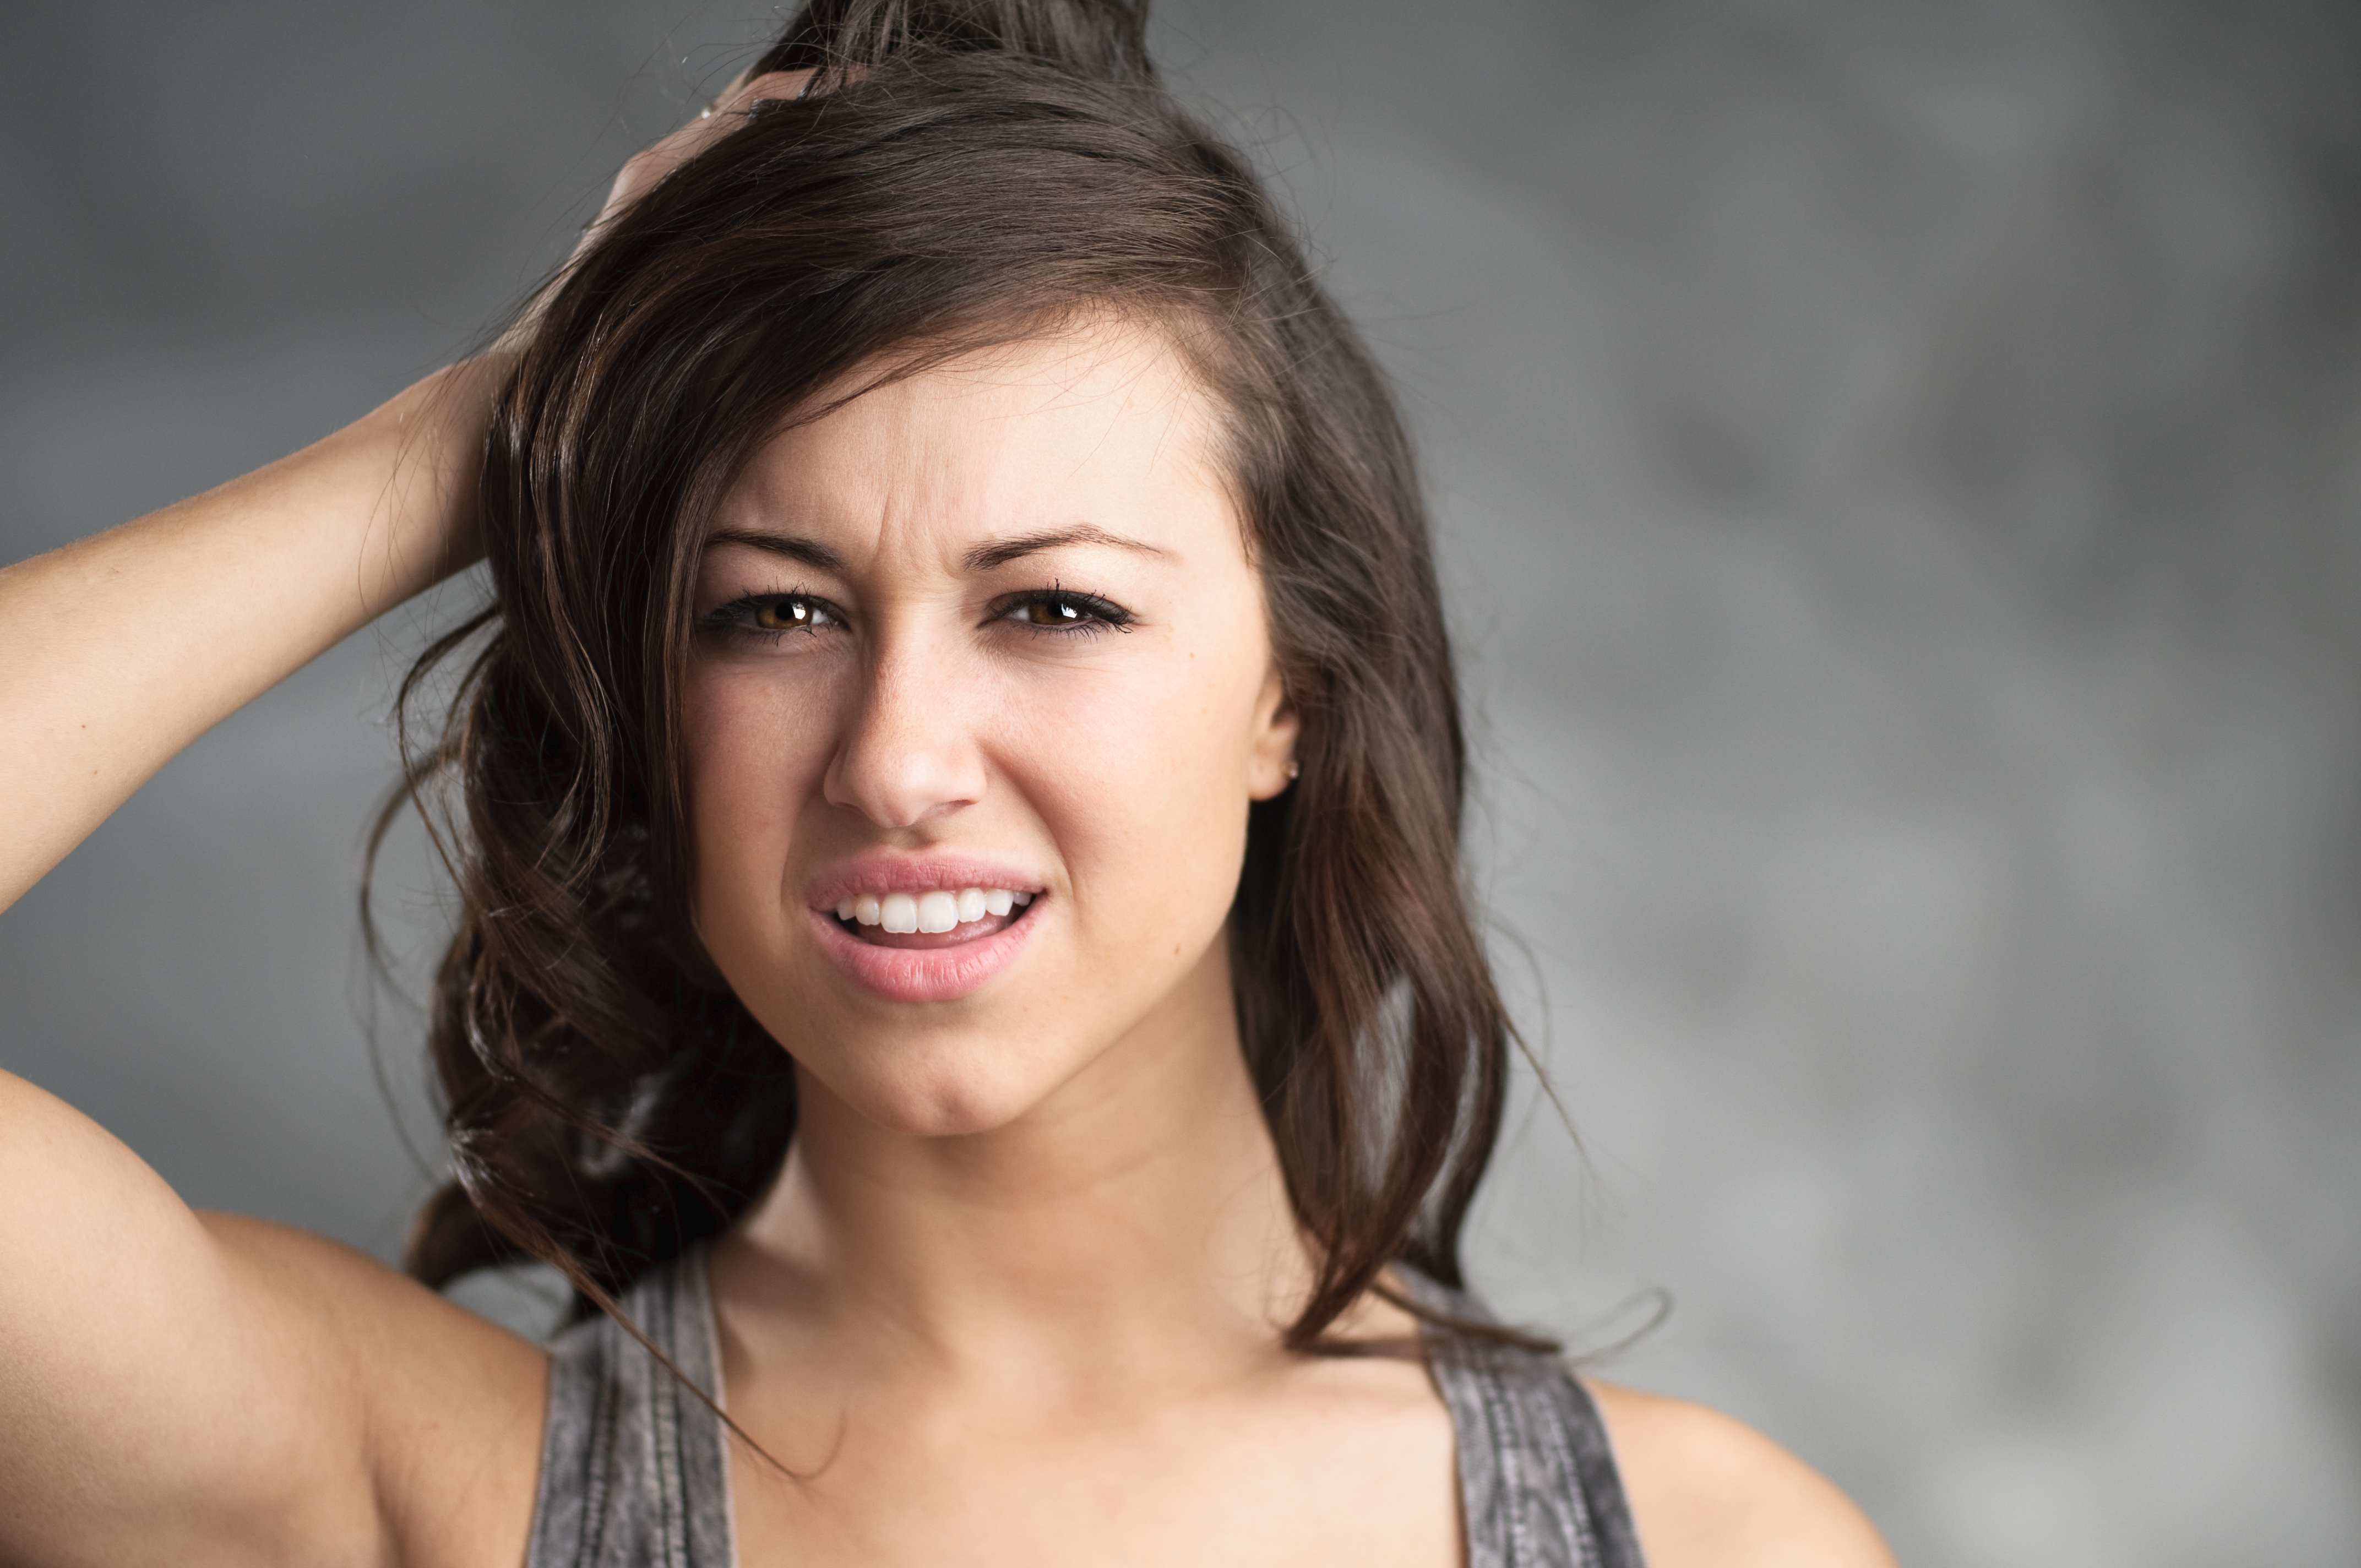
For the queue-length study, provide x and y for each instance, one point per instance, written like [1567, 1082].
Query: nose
[908, 754]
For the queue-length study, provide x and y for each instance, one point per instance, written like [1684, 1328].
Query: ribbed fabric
[1537, 1480]
[635, 1471]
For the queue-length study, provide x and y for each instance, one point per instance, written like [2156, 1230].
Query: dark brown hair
[964, 172]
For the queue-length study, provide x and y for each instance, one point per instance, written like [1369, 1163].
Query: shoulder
[451, 1405]
[176, 1385]
[1707, 1491]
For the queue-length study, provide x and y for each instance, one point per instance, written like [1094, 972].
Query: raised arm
[170, 1385]
[230, 591]
[197, 1388]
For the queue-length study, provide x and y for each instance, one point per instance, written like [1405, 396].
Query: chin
[953, 1088]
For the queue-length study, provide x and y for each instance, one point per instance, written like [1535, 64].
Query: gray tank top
[635, 1473]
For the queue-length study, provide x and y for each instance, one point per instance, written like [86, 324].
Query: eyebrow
[810, 552]
[1000, 551]
[982, 557]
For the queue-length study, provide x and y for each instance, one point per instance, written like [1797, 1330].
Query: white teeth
[934, 911]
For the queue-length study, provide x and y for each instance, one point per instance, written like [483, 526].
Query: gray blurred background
[1900, 478]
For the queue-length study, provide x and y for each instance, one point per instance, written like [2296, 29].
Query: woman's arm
[118, 651]
[178, 1386]
[197, 1388]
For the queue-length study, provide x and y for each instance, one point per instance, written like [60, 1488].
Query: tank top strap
[1538, 1484]
[635, 1472]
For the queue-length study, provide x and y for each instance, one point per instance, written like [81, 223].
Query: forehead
[1105, 425]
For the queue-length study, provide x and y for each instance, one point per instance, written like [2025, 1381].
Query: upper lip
[880, 872]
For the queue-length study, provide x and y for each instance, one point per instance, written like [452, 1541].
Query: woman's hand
[640, 172]
[646, 168]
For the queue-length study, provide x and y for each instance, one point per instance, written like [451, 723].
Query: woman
[962, 952]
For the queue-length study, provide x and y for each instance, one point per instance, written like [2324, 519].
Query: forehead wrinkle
[1020, 476]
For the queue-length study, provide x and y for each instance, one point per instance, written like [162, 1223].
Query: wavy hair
[961, 173]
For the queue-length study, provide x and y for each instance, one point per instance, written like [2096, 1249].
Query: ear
[1272, 753]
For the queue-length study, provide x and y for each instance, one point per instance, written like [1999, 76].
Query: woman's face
[983, 650]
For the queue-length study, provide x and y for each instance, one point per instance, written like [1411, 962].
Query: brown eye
[784, 614]
[1053, 612]
[770, 617]
[1059, 610]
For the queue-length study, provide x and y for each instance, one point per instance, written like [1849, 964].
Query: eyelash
[1092, 614]
[736, 618]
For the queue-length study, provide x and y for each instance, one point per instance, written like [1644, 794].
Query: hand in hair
[643, 169]
[646, 168]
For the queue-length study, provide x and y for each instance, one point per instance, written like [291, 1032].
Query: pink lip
[883, 873]
[919, 974]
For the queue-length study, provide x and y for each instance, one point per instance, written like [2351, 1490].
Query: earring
[1294, 769]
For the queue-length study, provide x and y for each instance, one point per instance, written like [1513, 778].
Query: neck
[1134, 1218]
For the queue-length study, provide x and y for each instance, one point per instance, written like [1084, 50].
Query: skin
[1033, 1249]
[1030, 1258]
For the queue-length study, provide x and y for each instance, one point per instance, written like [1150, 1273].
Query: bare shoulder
[453, 1404]
[390, 1320]
[179, 1387]
[1707, 1491]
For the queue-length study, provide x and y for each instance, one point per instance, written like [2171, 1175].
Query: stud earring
[1294, 769]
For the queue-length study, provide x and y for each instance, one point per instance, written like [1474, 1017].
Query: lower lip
[922, 974]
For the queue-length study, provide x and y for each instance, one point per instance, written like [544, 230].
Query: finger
[744, 92]
[717, 119]
[651, 164]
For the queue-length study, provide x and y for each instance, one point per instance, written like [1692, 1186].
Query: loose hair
[961, 173]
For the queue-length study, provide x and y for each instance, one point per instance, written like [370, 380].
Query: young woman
[962, 956]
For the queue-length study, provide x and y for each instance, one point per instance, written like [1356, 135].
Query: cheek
[752, 760]
[1141, 781]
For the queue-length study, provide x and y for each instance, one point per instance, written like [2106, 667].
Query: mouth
[931, 920]
[926, 944]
